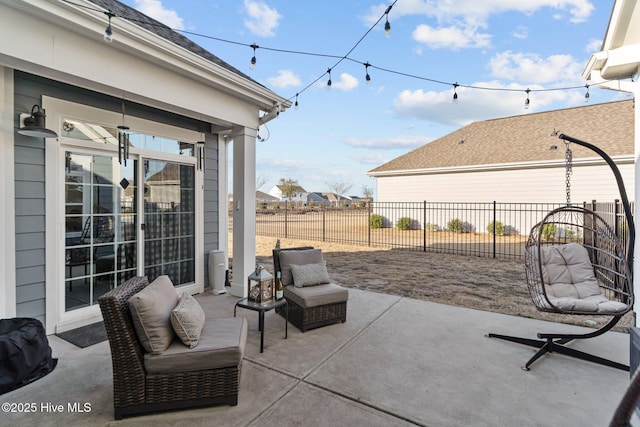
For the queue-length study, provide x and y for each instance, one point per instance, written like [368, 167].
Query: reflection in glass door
[169, 221]
[100, 226]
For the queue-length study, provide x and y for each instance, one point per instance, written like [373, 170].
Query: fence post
[616, 225]
[285, 220]
[324, 222]
[369, 209]
[494, 228]
[424, 226]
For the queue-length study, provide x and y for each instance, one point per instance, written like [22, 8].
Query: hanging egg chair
[575, 264]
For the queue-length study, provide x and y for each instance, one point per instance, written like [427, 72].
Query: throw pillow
[309, 274]
[298, 257]
[151, 313]
[187, 320]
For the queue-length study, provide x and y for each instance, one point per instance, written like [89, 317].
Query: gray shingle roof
[526, 138]
[125, 12]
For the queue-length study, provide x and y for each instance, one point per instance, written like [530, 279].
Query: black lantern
[260, 286]
[34, 124]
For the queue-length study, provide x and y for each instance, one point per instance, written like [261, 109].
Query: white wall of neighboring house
[541, 185]
[461, 190]
[297, 197]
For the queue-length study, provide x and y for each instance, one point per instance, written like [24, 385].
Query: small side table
[261, 309]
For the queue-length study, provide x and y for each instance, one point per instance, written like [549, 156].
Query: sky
[337, 134]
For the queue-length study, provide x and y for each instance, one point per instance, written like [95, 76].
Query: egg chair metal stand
[575, 264]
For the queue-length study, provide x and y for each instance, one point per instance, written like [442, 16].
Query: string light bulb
[455, 93]
[387, 25]
[367, 77]
[526, 101]
[108, 32]
[295, 106]
[252, 65]
[586, 95]
[329, 81]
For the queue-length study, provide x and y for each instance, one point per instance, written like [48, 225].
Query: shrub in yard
[376, 221]
[404, 223]
[431, 227]
[455, 226]
[496, 227]
[549, 231]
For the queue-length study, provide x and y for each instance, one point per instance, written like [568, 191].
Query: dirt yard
[473, 282]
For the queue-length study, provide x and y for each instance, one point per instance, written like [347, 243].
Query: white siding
[545, 185]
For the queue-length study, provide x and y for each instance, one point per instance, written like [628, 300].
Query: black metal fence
[492, 229]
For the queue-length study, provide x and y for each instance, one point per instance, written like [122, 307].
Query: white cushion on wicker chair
[570, 282]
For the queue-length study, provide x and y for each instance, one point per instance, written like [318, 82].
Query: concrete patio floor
[395, 362]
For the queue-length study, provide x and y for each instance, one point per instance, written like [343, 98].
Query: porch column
[244, 208]
[635, 90]
[7, 194]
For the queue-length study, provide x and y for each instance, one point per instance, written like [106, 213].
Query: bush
[496, 227]
[549, 231]
[455, 226]
[431, 227]
[376, 221]
[404, 223]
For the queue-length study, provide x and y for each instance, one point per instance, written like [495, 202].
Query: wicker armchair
[304, 313]
[135, 391]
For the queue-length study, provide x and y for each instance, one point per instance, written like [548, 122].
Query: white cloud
[393, 143]
[521, 32]
[478, 10]
[370, 159]
[284, 164]
[473, 104]
[157, 11]
[459, 21]
[284, 79]
[346, 82]
[531, 68]
[451, 37]
[262, 20]
[594, 46]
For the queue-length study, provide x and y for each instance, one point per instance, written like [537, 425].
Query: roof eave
[142, 42]
[619, 57]
[622, 159]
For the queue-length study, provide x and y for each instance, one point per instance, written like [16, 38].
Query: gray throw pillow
[309, 274]
[151, 313]
[298, 257]
[187, 320]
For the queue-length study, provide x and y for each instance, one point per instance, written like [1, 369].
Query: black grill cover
[25, 355]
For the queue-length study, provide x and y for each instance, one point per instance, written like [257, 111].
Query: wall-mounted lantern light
[34, 124]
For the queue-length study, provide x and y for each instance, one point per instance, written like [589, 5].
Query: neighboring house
[77, 219]
[264, 197]
[300, 194]
[317, 198]
[328, 199]
[335, 200]
[517, 159]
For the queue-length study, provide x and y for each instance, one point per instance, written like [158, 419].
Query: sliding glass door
[102, 242]
[100, 226]
[169, 221]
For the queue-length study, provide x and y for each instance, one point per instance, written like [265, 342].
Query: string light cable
[110, 14]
